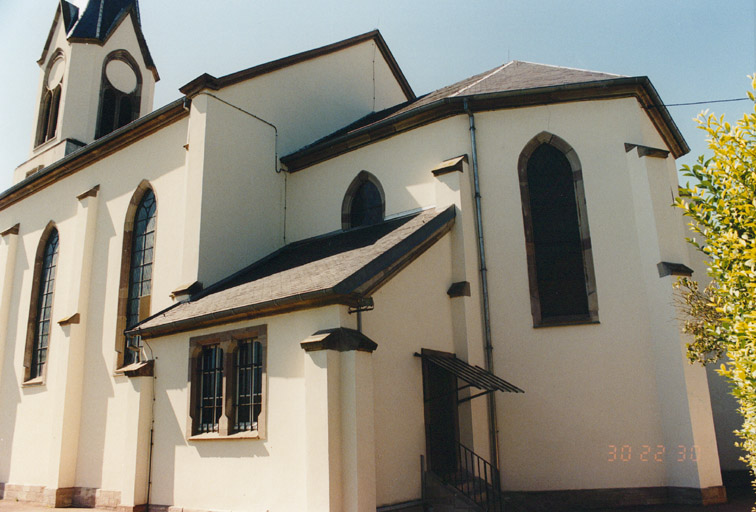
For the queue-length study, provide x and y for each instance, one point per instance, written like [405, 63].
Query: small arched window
[136, 271]
[120, 93]
[50, 104]
[40, 311]
[558, 246]
[363, 203]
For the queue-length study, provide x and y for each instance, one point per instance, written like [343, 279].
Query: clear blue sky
[692, 50]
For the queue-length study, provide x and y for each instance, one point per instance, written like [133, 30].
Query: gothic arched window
[364, 202]
[50, 104]
[558, 245]
[120, 93]
[136, 271]
[40, 310]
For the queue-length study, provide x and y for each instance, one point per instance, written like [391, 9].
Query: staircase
[473, 487]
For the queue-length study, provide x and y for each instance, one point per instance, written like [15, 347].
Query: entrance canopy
[475, 376]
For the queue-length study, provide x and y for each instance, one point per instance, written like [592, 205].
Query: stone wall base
[612, 498]
[82, 497]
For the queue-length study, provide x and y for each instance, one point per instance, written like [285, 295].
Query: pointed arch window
[364, 202]
[558, 244]
[120, 93]
[136, 272]
[47, 125]
[40, 310]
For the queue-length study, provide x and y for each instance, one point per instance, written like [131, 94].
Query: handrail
[477, 479]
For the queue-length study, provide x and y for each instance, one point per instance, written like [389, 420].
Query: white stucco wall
[597, 383]
[33, 426]
[311, 99]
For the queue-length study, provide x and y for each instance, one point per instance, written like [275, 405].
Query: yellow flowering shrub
[722, 205]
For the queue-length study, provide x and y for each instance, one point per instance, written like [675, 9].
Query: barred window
[227, 383]
[248, 389]
[211, 379]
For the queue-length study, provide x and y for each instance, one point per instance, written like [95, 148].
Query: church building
[301, 287]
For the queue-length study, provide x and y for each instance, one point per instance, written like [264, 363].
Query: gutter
[493, 429]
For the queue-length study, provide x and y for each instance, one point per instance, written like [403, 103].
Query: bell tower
[96, 76]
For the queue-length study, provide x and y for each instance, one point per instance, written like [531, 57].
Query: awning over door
[474, 375]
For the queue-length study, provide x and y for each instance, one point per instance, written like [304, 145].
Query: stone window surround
[125, 57]
[585, 237]
[32, 322]
[228, 341]
[123, 287]
[346, 205]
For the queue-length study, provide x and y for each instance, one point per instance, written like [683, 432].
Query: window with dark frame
[363, 203]
[117, 107]
[44, 306]
[227, 384]
[140, 272]
[48, 119]
[248, 390]
[366, 206]
[556, 234]
[558, 247]
[211, 392]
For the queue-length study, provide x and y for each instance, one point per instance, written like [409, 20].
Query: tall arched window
[50, 103]
[363, 203]
[136, 271]
[558, 245]
[40, 311]
[120, 92]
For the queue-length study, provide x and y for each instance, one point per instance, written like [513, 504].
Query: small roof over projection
[344, 267]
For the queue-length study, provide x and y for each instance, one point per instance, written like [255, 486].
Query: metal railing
[477, 479]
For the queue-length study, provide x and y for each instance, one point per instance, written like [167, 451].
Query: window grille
[248, 392]
[211, 392]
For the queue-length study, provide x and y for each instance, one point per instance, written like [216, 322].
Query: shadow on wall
[10, 376]
[97, 389]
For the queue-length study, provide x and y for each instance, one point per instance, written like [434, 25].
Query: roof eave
[318, 298]
[638, 87]
[114, 141]
[348, 292]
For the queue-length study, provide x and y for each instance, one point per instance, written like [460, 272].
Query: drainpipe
[487, 346]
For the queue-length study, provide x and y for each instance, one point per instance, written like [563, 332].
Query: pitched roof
[98, 19]
[207, 81]
[97, 22]
[515, 83]
[515, 75]
[340, 268]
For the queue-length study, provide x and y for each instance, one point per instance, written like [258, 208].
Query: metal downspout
[488, 347]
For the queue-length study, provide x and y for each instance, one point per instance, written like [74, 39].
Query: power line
[704, 102]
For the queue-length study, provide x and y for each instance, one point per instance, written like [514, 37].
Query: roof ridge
[566, 67]
[489, 75]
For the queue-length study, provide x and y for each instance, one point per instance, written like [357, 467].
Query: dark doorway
[441, 420]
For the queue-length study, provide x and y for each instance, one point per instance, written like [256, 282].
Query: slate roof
[340, 268]
[98, 19]
[515, 75]
[512, 85]
[96, 22]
